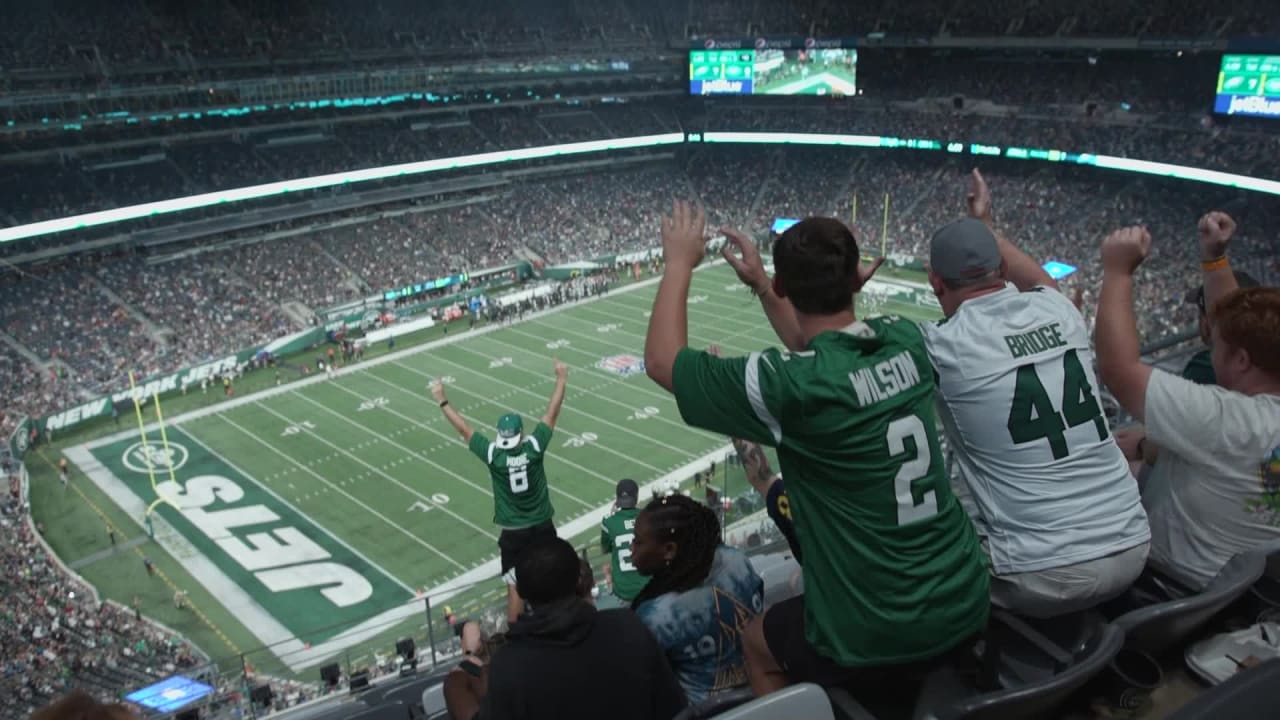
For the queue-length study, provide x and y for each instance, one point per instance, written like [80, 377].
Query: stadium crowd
[134, 314]
[57, 636]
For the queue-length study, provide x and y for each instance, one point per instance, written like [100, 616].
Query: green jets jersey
[893, 571]
[520, 496]
[616, 533]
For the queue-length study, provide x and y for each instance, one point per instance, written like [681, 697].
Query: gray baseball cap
[963, 250]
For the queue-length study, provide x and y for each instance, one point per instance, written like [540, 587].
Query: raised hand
[437, 391]
[713, 349]
[1125, 249]
[979, 198]
[1216, 229]
[684, 235]
[750, 267]
[562, 370]
[865, 271]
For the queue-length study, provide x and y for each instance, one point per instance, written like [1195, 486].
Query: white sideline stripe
[453, 438]
[389, 357]
[239, 603]
[375, 469]
[349, 496]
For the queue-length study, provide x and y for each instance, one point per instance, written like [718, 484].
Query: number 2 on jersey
[623, 542]
[1032, 416]
[911, 470]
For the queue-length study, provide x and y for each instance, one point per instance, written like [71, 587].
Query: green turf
[373, 462]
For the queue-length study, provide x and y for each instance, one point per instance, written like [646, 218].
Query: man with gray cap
[616, 533]
[1059, 514]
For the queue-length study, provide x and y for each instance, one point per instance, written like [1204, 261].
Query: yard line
[338, 489]
[695, 309]
[379, 471]
[605, 398]
[491, 379]
[695, 338]
[454, 437]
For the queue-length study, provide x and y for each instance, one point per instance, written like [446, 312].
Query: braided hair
[695, 530]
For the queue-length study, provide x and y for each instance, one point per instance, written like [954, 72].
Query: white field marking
[695, 339]
[247, 611]
[704, 339]
[453, 438]
[487, 492]
[377, 470]
[730, 314]
[356, 552]
[602, 421]
[367, 364]
[606, 398]
[349, 496]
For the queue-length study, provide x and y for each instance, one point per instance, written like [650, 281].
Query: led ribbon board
[134, 212]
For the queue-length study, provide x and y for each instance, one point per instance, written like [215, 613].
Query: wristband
[446, 402]
[1215, 264]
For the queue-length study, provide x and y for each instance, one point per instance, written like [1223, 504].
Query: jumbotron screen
[1249, 85]
[813, 71]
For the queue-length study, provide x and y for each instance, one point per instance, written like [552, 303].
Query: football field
[318, 511]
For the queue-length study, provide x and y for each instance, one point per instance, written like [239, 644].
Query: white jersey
[1018, 401]
[1215, 489]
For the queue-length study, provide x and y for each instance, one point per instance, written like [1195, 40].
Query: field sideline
[379, 492]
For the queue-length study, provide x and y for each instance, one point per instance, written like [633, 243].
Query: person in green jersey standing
[521, 502]
[893, 573]
[616, 534]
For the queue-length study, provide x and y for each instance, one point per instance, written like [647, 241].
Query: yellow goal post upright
[148, 453]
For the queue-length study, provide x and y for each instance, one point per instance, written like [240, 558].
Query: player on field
[894, 576]
[616, 534]
[522, 503]
[1057, 509]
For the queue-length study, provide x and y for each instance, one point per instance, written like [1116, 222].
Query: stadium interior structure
[232, 188]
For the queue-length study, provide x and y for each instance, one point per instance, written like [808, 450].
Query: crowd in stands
[179, 312]
[218, 40]
[56, 636]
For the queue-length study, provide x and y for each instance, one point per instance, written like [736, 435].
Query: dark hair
[1249, 319]
[546, 571]
[79, 705]
[817, 265]
[695, 530]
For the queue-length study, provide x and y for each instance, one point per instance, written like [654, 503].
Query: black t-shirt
[574, 662]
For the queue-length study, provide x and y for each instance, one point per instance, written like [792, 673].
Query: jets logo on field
[623, 365]
[161, 459]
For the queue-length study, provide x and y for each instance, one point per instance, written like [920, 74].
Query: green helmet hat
[510, 431]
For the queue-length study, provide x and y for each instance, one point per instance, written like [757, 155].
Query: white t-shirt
[1019, 403]
[1215, 489]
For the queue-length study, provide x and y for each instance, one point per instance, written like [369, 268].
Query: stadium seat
[777, 581]
[433, 700]
[946, 695]
[716, 704]
[1157, 627]
[805, 700]
[1249, 695]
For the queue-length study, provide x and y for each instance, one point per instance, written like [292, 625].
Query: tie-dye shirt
[701, 629]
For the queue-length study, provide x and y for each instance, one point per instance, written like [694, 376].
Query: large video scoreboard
[1249, 85]
[805, 66]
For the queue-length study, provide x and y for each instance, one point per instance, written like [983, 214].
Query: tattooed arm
[756, 465]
